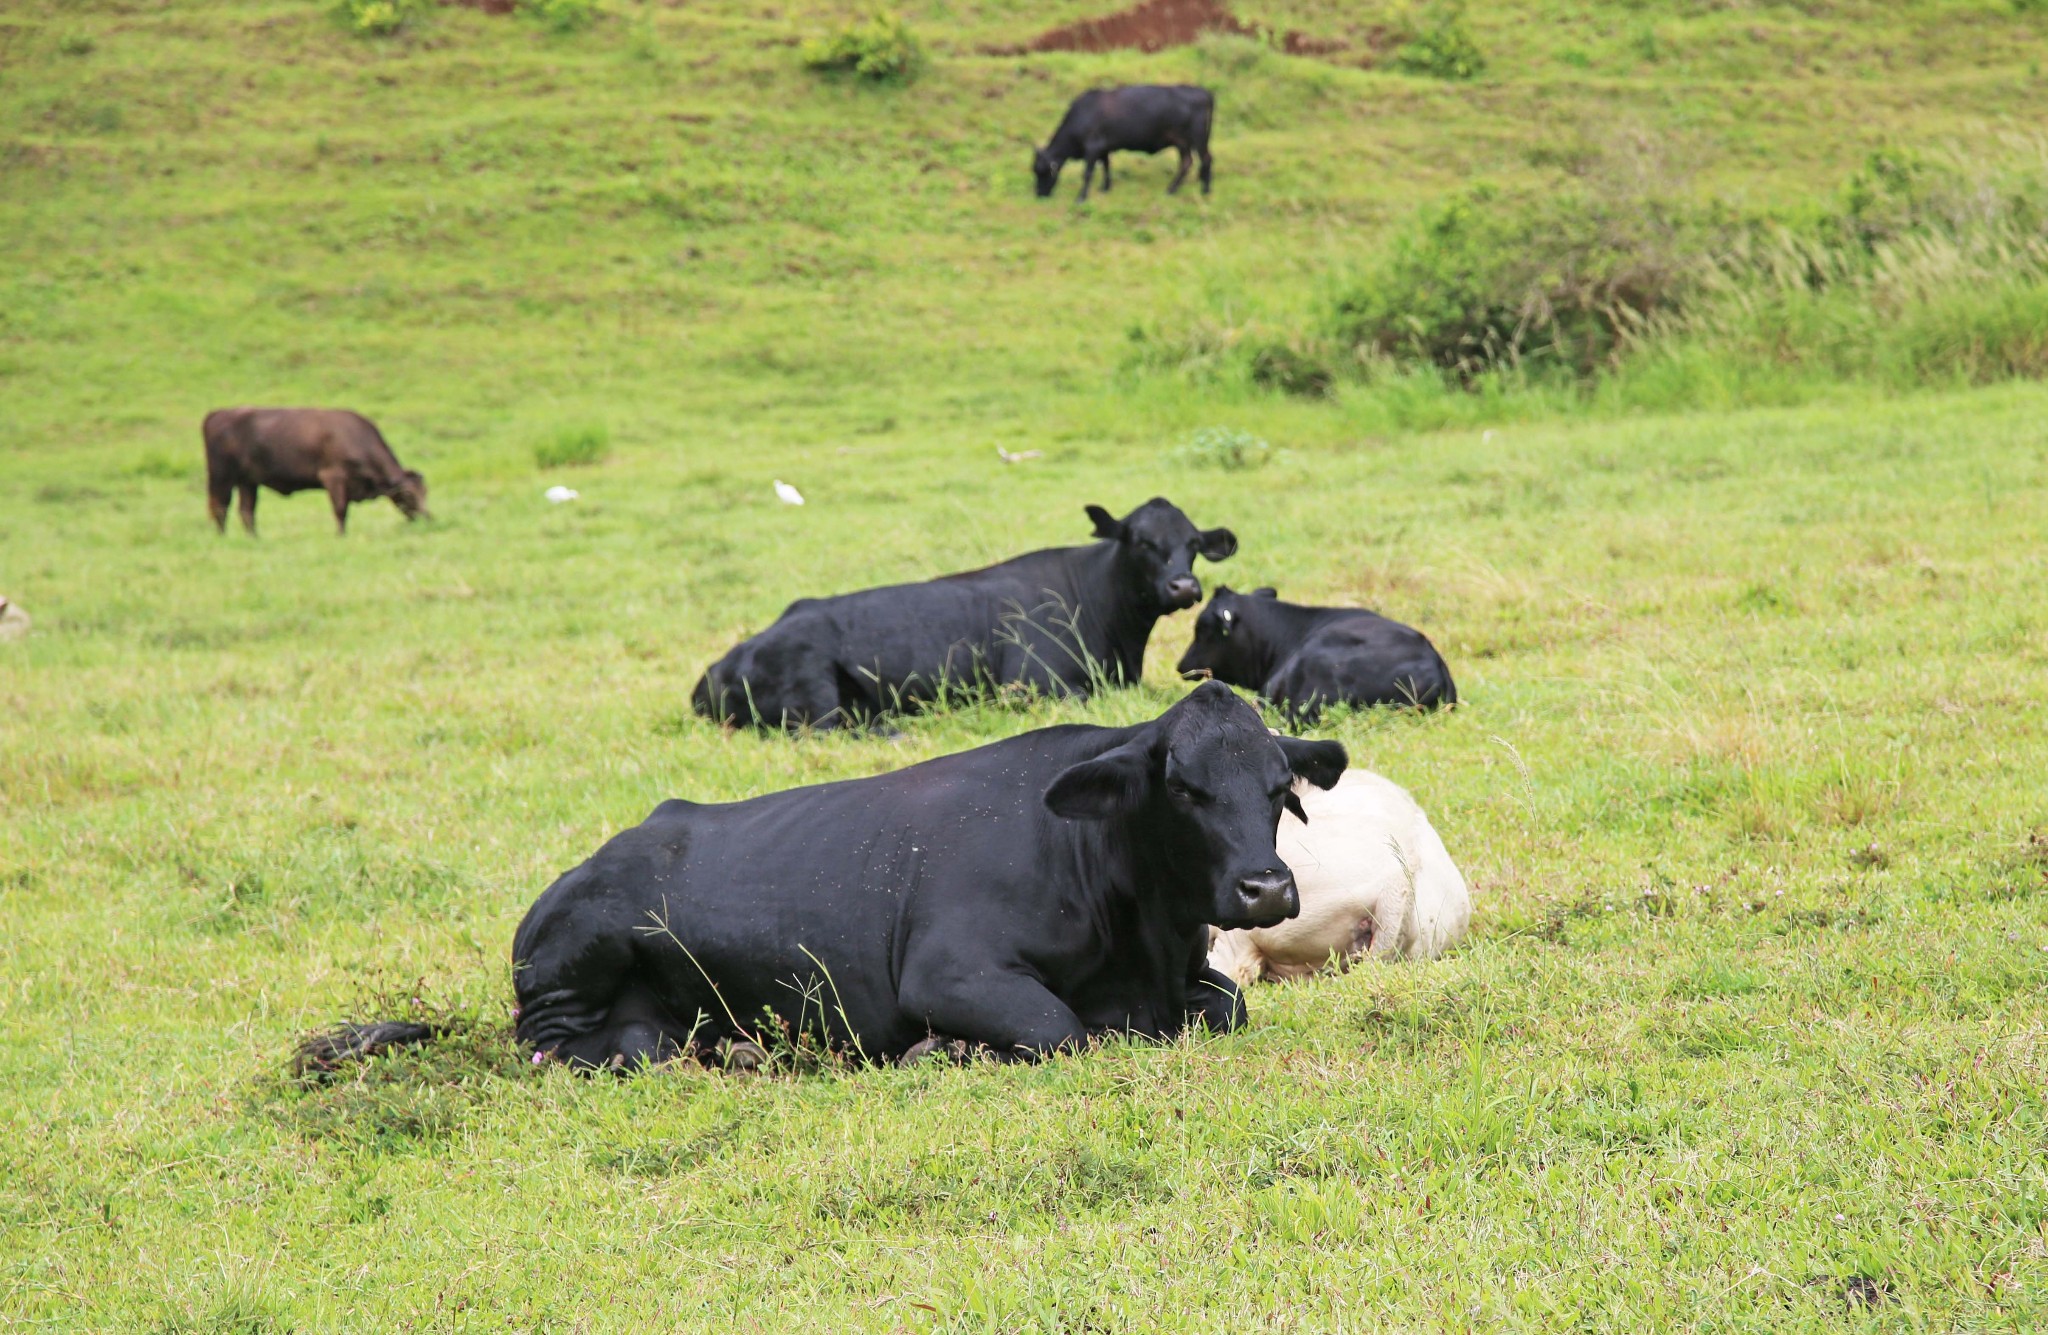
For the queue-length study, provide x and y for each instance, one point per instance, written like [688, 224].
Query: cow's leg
[1204, 151]
[1011, 1013]
[219, 491]
[1087, 179]
[248, 493]
[336, 483]
[1186, 161]
[1105, 173]
[1214, 1001]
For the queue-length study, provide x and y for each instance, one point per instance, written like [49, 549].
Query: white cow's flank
[1374, 880]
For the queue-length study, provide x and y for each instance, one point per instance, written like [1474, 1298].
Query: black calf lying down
[1305, 659]
[1053, 620]
[1023, 896]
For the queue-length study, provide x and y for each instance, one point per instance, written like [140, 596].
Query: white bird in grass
[788, 494]
[1019, 456]
[558, 494]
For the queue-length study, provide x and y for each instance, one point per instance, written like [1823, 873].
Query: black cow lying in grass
[1055, 621]
[300, 449]
[1138, 118]
[1022, 897]
[1305, 659]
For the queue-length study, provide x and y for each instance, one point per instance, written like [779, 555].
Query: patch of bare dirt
[487, 6]
[1155, 25]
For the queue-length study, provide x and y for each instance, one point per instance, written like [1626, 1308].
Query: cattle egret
[787, 494]
[558, 494]
[1017, 458]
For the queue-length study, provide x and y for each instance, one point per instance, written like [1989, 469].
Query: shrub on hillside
[1489, 278]
[1292, 369]
[380, 18]
[559, 15]
[879, 49]
[1441, 47]
[574, 447]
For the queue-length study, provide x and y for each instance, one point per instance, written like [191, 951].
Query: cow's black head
[410, 494]
[1159, 545]
[1046, 169]
[1202, 788]
[1227, 645]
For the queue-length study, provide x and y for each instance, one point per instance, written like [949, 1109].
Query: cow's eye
[1184, 793]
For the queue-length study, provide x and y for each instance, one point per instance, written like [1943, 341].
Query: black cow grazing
[1138, 118]
[299, 449]
[1055, 621]
[1023, 897]
[1305, 659]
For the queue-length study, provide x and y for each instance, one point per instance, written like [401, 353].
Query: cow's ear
[1218, 544]
[1268, 592]
[1319, 762]
[1107, 525]
[1112, 783]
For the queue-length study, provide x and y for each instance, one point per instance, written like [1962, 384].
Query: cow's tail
[324, 1053]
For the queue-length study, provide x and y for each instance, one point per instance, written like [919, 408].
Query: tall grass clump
[1927, 270]
[574, 447]
[1614, 287]
[880, 48]
[1227, 448]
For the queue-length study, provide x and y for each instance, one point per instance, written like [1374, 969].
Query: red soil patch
[1155, 25]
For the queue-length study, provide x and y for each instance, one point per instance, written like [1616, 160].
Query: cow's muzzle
[1268, 897]
[1183, 591]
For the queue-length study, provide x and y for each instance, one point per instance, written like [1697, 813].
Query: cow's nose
[1270, 896]
[1184, 591]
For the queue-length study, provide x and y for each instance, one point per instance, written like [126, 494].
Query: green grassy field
[1748, 780]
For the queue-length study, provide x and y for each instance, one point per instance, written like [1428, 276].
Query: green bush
[574, 447]
[559, 15]
[1226, 448]
[1292, 370]
[1441, 48]
[380, 18]
[1489, 279]
[879, 49]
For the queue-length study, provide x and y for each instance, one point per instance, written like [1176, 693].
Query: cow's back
[287, 448]
[800, 901]
[1360, 657]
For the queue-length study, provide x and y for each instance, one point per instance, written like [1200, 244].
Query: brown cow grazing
[298, 449]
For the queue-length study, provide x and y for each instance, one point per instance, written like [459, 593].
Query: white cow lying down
[1374, 880]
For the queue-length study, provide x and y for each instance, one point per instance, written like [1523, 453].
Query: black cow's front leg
[1010, 1013]
[1214, 1001]
[1087, 179]
[1105, 173]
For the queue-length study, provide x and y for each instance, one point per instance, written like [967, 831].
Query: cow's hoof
[745, 1057]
